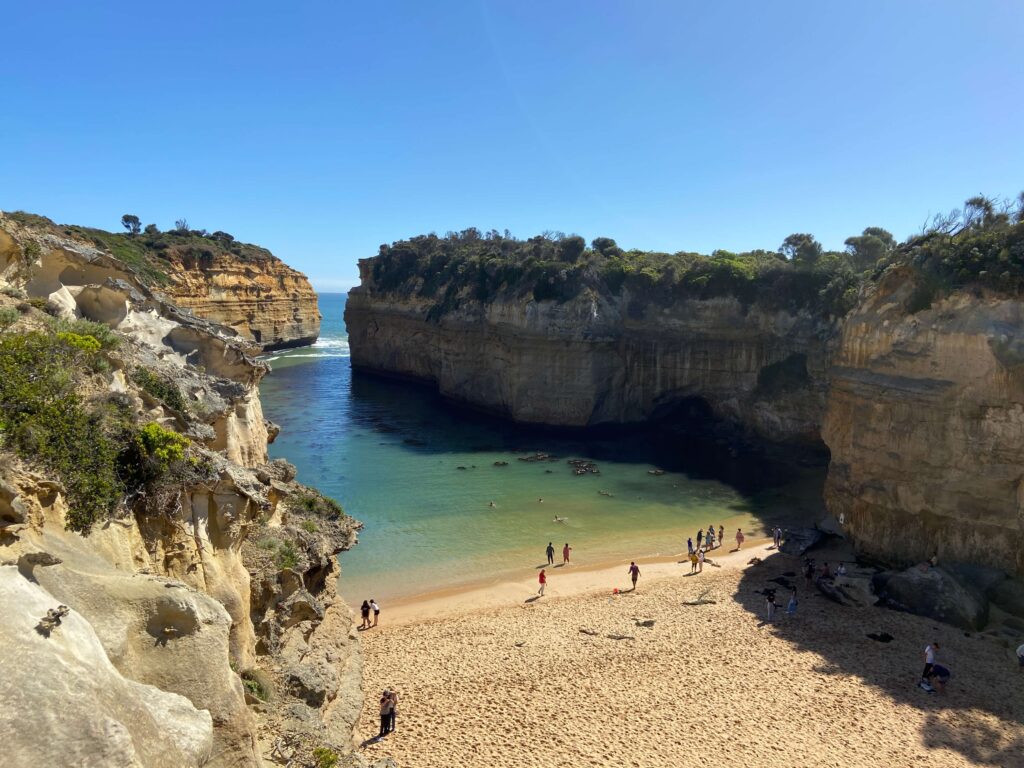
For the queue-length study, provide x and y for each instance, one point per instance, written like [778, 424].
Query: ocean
[447, 501]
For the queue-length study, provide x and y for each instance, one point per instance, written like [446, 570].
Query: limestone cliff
[203, 626]
[264, 299]
[925, 423]
[243, 287]
[590, 361]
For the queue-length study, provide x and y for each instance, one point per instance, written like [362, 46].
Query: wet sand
[490, 676]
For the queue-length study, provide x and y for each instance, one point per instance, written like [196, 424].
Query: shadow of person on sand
[533, 599]
[823, 627]
[371, 741]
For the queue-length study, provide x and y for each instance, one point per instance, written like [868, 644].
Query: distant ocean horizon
[422, 474]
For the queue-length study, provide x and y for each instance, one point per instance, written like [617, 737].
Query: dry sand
[494, 679]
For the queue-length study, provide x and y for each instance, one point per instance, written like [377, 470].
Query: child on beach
[634, 573]
[693, 561]
[543, 579]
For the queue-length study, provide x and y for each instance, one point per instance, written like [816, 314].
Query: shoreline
[563, 582]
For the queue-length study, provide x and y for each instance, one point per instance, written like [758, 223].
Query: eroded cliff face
[265, 300]
[587, 362]
[925, 422]
[173, 609]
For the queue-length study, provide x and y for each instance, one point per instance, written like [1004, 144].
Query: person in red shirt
[565, 553]
[543, 579]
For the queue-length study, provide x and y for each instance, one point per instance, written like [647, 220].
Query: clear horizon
[323, 131]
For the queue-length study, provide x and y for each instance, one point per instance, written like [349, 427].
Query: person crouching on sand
[543, 580]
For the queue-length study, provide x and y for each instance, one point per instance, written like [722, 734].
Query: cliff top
[982, 244]
[149, 250]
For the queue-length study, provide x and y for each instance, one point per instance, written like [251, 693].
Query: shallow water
[421, 476]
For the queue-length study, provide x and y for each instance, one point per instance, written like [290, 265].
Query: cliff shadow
[985, 682]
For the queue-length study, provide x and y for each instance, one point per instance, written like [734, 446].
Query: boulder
[936, 593]
[796, 541]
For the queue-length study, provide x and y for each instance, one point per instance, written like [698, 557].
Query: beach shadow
[560, 565]
[894, 667]
[543, 565]
[533, 599]
[371, 741]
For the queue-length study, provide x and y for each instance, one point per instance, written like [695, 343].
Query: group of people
[364, 610]
[542, 577]
[705, 542]
[771, 605]
[388, 712]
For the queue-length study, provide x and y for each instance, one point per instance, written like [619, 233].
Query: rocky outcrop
[937, 594]
[264, 300]
[591, 361]
[168, 606]
[925, 423]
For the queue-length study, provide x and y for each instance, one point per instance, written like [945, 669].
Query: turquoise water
[421, 476]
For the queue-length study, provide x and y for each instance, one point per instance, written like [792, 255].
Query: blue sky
[322, 129]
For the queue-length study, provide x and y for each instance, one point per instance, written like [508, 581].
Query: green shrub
[287, 555]
[43, 420]
[159, 388]
[39, 302]
[162, 446]
[84, 343]
[309, 526]
[258, 684]
[325, 758]
[323, 506]
[107, 338]
[8, 317]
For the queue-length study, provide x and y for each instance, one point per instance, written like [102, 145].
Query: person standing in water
[565, 553]
[551, 553]
[634, 573]
[739, 539]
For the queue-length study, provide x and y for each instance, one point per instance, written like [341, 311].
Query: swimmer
[559, 519]
[491, 504]
[540, 501]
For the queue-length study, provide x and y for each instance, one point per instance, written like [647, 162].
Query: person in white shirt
[376, 611]
[929, 661]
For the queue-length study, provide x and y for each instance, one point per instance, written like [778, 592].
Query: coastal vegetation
[148, 250]
[980, 244]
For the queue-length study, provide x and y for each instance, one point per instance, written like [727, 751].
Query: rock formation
[204, 627]
[265, 300]
[587, 361]
[925, 423]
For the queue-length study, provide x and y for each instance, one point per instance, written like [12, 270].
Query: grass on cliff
[93, 446]
[150, 252]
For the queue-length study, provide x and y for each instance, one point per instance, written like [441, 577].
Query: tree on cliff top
[132, 223]
[802, 249]
[867, 248]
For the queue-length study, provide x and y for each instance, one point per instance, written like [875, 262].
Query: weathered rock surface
[936, 593]
[65, 703]
[265, 300]
[589, 362]
[925, 423]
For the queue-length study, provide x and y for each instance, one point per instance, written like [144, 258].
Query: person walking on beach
[565, 553]
[543, 580]
[634, 573]
[769, 598]
[777, 536]
[689, 546]
[364, 611]
[551, 553]
[739, 539]
[376, 611]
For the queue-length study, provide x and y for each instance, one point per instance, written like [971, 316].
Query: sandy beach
[491, 677]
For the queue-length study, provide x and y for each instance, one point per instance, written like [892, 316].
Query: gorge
[910, 376]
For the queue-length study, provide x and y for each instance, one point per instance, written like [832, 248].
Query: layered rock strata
[264, 300]
[925, 423]
[588, 362]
